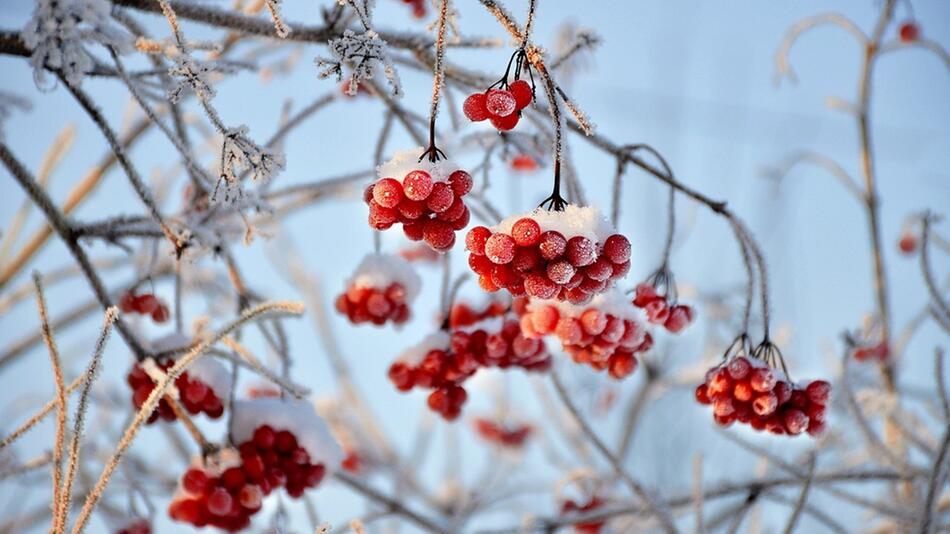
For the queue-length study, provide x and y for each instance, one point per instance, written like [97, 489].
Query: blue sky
[694, 80]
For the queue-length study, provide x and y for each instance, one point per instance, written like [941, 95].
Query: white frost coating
[612, 301]
[405, 161]
[414, 355]
[585, 221]
[380, 270]
[212, 373]
[156, 373]
[297, 417]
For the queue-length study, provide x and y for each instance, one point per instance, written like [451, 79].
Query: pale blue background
[694, 79]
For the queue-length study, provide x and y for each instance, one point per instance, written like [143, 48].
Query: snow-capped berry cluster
[606, 334]
[136, 526]
[294, 451]
[572, 507]
[199, 390]
[432, 364]
[500, 106]
[570, 255]
[510, 436]
[144, 304]
[424, 196]
[749, 391]
[660, 311]
[381, 290]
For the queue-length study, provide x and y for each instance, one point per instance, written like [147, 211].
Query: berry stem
[555, 202]
[432, 151]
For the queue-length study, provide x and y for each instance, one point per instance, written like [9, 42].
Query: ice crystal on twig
[238, 153]
[189, 73]
[57, 34]
[362, 54]
[273, 6]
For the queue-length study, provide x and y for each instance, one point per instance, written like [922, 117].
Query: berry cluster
[144, 304]
[572, 507]
[660, 311]
[425, 197]
[507, 436]
[136, 526]
[500, 106]
[433, 365]
[749, 391]
[293, 454]
[565, 255]
[380, 290]
[444, 361]
[606, 334]
[194, 393]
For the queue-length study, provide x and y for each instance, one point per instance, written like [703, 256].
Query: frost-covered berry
[505, 123]
[500, 248]
[475, 107]
[417, 185]
[521, 91]
[500, 103]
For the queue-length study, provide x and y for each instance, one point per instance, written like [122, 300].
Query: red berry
[500, 103]
[539, 286]
[552, 245]
[523, 162]
[569, 330]
[909, 32]
[219, 502]
[195, 481]
[645, 294]
[762, 379]
[387, 192]
[765, 404]
[414, 231]
[601, 270]
[680, 317]
[782, 391]
[581, 251]
[702, 394]
[657, 311]
[500, 248]
[160, 314]
[545, 319]
[461, 182]
[907, 244]
[795, 421]
[401, 376]
[622, 365]
[526, 259]
[264, 437]
[560, 272]
[250, 497]
[521, 91]
[127, 304]
[476, 238]
[146, 303]
[195, 391]
[474, 107]
[417, 185]
[742, 391]
[505, 123]
[739, 367]
[439, 234]
[818, 391]
[441, 197]
[617, 248]
[526, 232]
[593, 321]
[285, 442]
[381, 218]
[233, 478]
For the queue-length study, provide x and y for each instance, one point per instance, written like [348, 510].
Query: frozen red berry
[417, 185]
[500, 248]
[476, 238]
[909, 32]
[521, 91]
[461, 182]
[500, 103]
[526, 232]
[474, 107]
[387, 192]
[506, 123]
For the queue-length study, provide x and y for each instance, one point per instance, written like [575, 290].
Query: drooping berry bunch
[509, 436]
[502, 102]
[424, 196]
[571, 507]
[199, 390]
[144, 304]
[606, 333]
[432, 364]
[663, 309]
[380, 291]
[136, 526]
[570, 255]
[294, 452]
[750, 391]
[443, 361]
